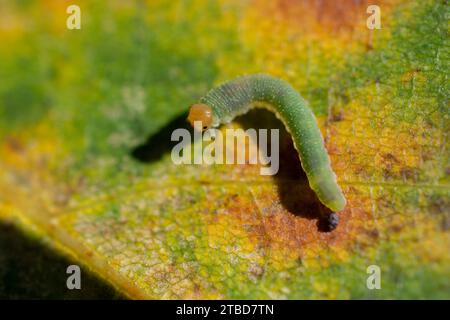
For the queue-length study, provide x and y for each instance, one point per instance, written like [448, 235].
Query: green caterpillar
[223, 103]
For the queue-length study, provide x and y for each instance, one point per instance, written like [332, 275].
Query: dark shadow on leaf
[31, 270]
[294, 191]
[159, 144]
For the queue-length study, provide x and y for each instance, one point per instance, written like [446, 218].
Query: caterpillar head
[200, 112]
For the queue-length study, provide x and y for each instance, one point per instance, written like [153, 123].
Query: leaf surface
[86, 118]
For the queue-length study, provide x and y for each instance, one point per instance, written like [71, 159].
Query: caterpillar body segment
[223, 103]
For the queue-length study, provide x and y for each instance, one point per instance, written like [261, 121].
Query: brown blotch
[390, 157]
[14, 144]
[334, 16]
[336, 117]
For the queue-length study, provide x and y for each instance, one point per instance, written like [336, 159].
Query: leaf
[85, 152]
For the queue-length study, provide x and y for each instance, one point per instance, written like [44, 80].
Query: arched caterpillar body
[223, 103]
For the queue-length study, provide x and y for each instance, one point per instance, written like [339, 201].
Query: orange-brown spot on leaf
[335, 16]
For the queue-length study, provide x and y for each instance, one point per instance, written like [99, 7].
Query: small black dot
[333, 221]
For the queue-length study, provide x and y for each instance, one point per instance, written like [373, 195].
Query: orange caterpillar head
[200, 112]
